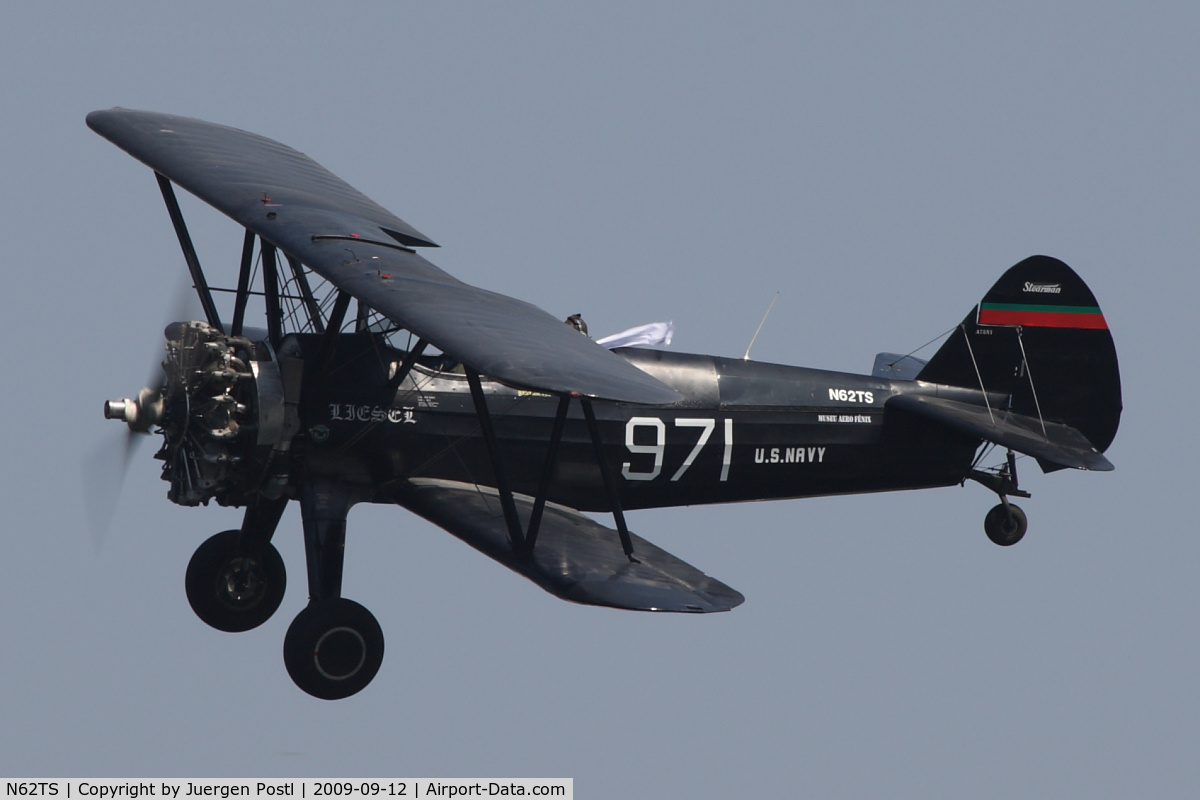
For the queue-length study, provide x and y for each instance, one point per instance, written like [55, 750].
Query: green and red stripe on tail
[1042, 316]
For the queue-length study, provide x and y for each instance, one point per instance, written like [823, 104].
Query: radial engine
[221, 410]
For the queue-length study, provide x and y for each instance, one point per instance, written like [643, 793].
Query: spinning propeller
[105, 467]
[107, 464]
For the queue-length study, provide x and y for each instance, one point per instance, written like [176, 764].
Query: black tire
[1005, 524]
[233, 589]
[333, 648]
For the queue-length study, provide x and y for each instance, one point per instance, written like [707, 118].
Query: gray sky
[880, 166]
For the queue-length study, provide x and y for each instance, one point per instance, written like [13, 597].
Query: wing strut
[362, 322]
[332, 331]
[539, 502]
[515, 534]
[407, 365]
[520, 540]
[609, 486]
[310, 302]
[189, 253]
[243, 287]
[271, 288]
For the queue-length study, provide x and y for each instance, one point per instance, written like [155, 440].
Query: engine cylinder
[210, 414]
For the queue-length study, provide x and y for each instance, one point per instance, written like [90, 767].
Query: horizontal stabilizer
[575, 557]
[1058, 444]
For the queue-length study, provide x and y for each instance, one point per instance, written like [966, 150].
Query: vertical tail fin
[1039, 337]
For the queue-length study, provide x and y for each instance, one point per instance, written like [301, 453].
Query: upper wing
[360, 247]
[575, 557]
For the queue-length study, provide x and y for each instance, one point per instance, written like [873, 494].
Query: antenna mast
[760, 324]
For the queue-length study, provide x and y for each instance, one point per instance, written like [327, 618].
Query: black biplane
[494, 420]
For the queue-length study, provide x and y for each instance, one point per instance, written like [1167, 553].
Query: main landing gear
[236, 581]
[1006, 523]
[334, 647]
[235, 586]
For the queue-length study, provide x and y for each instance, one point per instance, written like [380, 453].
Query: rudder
[1039, 337]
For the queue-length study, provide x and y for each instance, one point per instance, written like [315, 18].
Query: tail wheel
[1005, 524]
[233, 588]
[333, 648]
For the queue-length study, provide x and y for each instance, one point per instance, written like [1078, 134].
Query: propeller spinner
[140, 414]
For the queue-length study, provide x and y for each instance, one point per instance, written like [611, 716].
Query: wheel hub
[242, 583]
[340, 653]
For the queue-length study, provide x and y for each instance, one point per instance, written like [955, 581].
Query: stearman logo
[1043, 288]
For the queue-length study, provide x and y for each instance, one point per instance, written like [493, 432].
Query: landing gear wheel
[333, 648]
[235, 589]
[1005, 524]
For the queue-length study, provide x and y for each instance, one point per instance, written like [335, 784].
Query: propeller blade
[104, 467]
[103, 471]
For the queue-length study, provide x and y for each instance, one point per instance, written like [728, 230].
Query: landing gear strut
[334, 647]
[1006, 523]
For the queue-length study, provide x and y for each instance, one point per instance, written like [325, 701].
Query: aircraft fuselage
[745, 431]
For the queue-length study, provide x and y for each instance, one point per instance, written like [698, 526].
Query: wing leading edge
[303, 209]
[575, 557]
